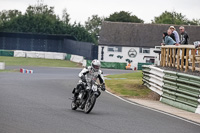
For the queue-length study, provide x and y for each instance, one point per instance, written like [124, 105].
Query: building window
[115, 49]
[145, 50]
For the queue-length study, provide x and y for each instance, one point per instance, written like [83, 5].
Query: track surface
[38, 103]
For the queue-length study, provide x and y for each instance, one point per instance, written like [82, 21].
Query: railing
[182, 57]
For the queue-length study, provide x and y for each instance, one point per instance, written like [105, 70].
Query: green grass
[16, 61]
[129, 85]
[9, 70]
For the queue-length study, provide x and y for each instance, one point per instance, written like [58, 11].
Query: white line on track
[198, 124]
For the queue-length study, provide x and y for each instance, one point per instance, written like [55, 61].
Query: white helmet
[96, 64]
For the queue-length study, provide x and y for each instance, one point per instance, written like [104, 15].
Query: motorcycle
[86, 98]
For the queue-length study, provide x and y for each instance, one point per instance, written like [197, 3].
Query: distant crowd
[171, 37]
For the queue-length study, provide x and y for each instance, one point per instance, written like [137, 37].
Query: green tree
[65, 16]
[173, 18]
[123, 16]
[42, 19]
[93, 26]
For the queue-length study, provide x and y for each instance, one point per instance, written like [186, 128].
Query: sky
[80, 10]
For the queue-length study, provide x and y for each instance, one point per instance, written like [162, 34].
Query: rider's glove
[83, 78]
[103, 88]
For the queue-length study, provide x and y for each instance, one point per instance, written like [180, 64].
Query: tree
[42, 19]
[93, 26]
[65, 16]
[194, 22]
[8, 15]
[123, 16]
[173, 18]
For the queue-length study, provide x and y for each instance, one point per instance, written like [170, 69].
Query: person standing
[172, 28]
[184, 36]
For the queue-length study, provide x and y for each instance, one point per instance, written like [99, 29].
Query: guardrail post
[182, 59]
[186, 63]
[178, 59]
[161, 60]
[164, 57]
[170, 57]
[174, 58]
[193, 59]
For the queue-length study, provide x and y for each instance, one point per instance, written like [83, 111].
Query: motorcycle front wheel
[90, 104]
[73, 105]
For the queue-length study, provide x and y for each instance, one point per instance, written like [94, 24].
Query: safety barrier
[44, 55]
[22, 70]
[38, 54]
[2, 65]
[77, 58]
[6, 53]
[176, 89]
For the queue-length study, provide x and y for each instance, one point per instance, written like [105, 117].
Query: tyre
[73, 105]
[90, 104]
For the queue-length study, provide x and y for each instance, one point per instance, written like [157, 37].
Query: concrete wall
[139, 57]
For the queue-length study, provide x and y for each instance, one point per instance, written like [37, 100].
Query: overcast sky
[80, 10]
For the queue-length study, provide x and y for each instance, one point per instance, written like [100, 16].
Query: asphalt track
[38, 103]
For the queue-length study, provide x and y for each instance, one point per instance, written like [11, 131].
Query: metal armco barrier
[176, 89]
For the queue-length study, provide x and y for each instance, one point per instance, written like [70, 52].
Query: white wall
[139, 57]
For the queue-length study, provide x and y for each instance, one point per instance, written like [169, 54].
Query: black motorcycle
[86, 98]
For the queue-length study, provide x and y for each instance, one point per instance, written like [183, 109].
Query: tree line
[42, 19]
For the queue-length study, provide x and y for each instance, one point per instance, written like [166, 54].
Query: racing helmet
[96, 64]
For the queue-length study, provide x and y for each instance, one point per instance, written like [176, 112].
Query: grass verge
[128, 85]
[17, 61]
[9, 70]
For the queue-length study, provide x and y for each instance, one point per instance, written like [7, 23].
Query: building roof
[138, 35]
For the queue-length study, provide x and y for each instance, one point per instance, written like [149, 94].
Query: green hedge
[110, 65]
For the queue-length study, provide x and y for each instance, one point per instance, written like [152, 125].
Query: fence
[181, 57]
[176, 89]
[47, 43]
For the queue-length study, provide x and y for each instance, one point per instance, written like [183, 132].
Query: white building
[123, 42]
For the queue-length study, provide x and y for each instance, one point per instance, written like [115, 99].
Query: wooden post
[164, 57]
[174, 58]
[187, 57]
[182, 59]
[193, 59]
[199, 54]
[178, 59]
[161, 60]
[167, 56]
[170, 64]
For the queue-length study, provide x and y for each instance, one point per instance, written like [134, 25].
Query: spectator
[172, 28]
[169, 32]
[184, 36]
[167, 40]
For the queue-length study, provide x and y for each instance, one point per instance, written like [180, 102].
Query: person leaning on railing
[167, 40]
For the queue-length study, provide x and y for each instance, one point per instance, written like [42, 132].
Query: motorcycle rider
[88, 75]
